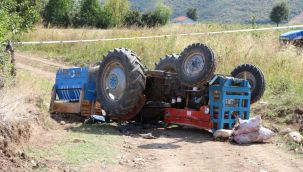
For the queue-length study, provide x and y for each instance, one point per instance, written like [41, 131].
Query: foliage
[192, 13]
[158, 17]
[91, 14]
[133, 18]
[162, 13]
[116, 10]
[279, 13]
[58, 13]
[223, 11]
[15, 17]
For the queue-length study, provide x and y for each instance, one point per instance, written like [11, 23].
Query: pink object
[258, 136]
[248, 126]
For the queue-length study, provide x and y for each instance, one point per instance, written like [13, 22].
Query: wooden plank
[63, 107]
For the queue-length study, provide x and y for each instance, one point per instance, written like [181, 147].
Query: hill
[223, 11]
[297, 19]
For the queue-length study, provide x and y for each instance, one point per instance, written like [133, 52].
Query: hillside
[297, 19]
[224, 11]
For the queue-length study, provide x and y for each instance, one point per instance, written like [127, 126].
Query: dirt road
[181, 150]
[174, 149]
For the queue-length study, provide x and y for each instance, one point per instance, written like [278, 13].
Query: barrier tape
[159, 36]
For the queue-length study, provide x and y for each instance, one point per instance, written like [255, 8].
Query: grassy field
[282, 65]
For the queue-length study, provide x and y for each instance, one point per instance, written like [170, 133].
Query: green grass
[82, 145]
[39, 87]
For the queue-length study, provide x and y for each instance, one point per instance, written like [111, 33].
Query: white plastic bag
[265, 134]
[248, 126]
[261, 135]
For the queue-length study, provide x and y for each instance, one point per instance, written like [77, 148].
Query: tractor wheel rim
[249, 77]
[114, 82]
[194, 64]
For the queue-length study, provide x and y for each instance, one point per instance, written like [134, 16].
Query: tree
[279, 13]
[91, 14]
[162, 13]
[158, 17]
[58, 13]
[116, 10]
[253, 22]
[133, 18]
[192, 14]
[16, 16]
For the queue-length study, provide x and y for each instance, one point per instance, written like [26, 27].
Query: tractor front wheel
[168, 63]
[196, 65]
[120, 82]
[255, 77]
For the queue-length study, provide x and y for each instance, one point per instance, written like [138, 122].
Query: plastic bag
[261, 135]
[248, 126]
[265, 134]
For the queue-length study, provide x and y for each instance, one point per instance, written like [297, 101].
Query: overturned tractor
[183, 89]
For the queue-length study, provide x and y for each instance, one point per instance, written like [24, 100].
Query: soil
[174, 149]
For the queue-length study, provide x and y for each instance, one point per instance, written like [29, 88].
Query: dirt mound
[12, 136]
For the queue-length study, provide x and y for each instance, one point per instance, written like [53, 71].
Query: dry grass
[281, 65]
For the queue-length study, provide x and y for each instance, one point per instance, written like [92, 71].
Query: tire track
[38, 65]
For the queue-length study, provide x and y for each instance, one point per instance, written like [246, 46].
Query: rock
[62, 122]
[285, 131]
[79, 141]
[147, 136]
[295, 136]
[263, 102]
[299, 111]
[35, 165]
[296, 118]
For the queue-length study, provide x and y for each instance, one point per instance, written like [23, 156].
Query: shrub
[58, 13]
[15, 17]
[91, 14]
[116, 10]
[192, 13]
[158, 17]
[133, 18]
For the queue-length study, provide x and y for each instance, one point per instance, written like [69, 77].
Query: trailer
[183, 89]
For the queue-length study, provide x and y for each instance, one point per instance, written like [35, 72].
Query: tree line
[112, 13]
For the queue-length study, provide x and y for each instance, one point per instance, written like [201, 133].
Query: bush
[192, 13]
[133, 18]
[116, 11]
[158, 17]
[91, 14]
[15, 17]
[58, 13]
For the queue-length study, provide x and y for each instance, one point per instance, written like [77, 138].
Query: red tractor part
[188, 117]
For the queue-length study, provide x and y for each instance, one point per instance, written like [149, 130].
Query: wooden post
[10, 49]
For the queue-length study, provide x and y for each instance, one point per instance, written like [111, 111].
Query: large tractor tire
[168, 63]
[255, 77]
[120, 82]
[196, 65]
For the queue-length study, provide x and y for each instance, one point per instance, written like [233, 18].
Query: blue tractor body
[75, 92]
[292, 35]
[70, 82]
